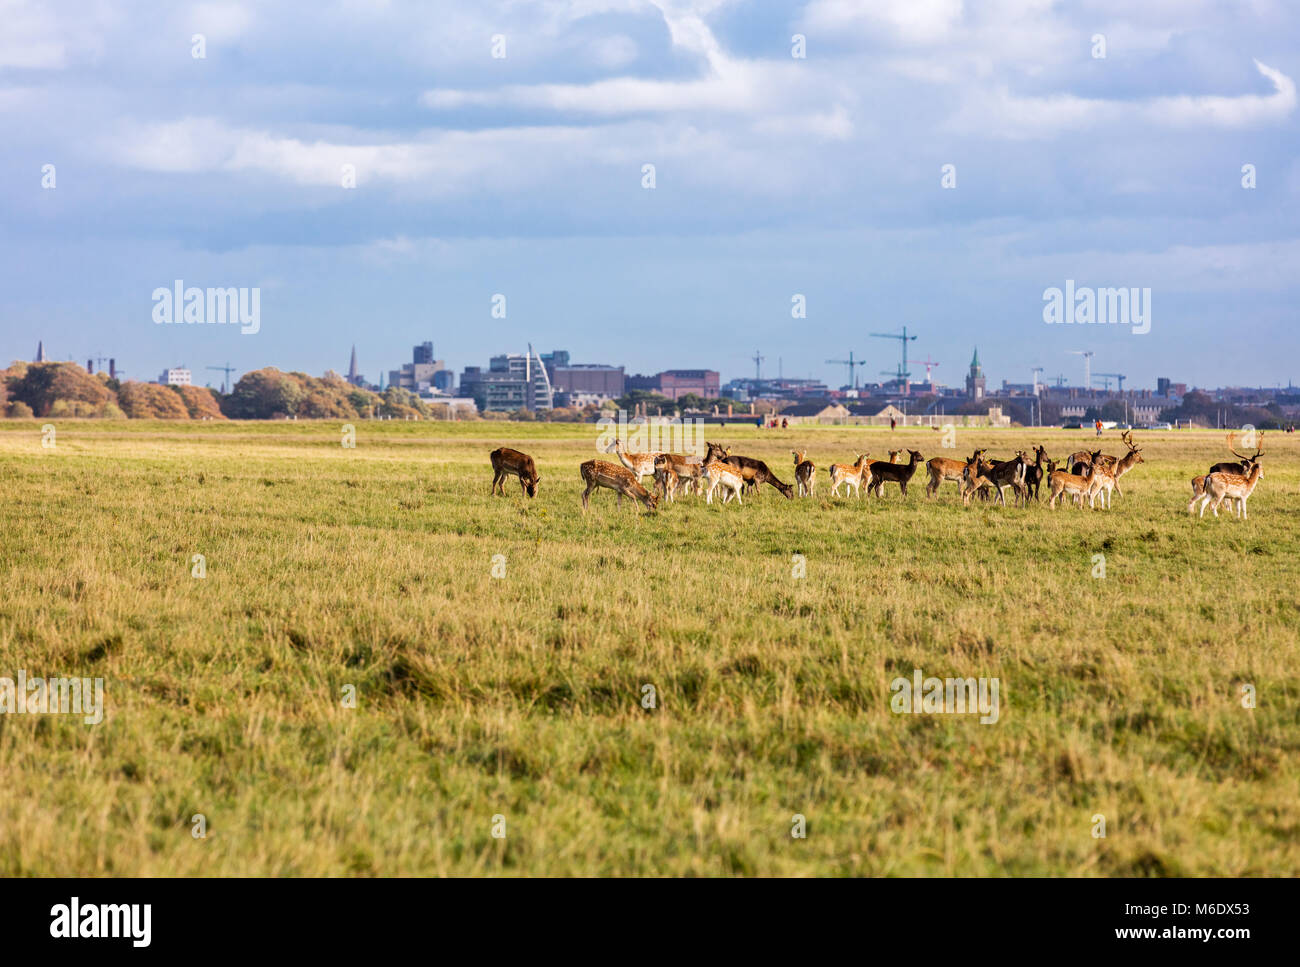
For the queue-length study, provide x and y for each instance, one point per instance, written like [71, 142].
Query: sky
[499, 148]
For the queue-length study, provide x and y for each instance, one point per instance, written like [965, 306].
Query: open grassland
[520, 696]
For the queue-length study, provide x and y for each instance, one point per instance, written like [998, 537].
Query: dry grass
[520, 696]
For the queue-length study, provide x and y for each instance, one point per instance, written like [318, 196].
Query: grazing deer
[899, 473]
[507, 463]
[754, 471]
[941, 469]
[601, 473]
[641, 464]
[851, 475]
[722, 474]
[1063, 482]
[805, 473]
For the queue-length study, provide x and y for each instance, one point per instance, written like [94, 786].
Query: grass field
[521, 696]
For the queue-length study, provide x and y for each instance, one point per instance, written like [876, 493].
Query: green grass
[520, 696]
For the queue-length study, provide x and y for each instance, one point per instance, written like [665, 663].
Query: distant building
[676, 383]
[40, 351]
[814, 411]
[512, 381]
[354, 377]
[417, 375]
[175, 377]
[588, 378]
[975, 380]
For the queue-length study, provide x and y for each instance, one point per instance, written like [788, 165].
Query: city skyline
[927, 164]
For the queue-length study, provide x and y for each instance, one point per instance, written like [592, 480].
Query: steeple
[40, 351]
[352, 368]
[975, 360]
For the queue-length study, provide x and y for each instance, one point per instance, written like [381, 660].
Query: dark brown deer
[508, 463]
[1035, 472]
[602, 473]
[753, 471]
[899, 473]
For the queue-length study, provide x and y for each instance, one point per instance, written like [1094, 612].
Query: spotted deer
[641, 464]
[601, 473]
[513, 463]
[1060, 482]
[1235, 484]
[1101, 481]
[1127, 462]
[666, 479]
[1230, 486]
[805, 473]
[722, 474]
[851, 476]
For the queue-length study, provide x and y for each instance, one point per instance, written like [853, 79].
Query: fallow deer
[1127, 462]
[899, 473]
[851, 475]
[641, 464]
[1234, 472]
[513, 463]
[754, 471]
[1230, 486]
[666, 479]
[1008, 473]
[1102, 480]
[941, 469]
[601, 473]
[722, 474]
[689, 471]
[805, 473]
[972, 477]
[1061, 482]
[878, 484]
[1035, 472]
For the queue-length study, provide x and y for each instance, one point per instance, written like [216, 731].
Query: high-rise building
[424, 353]
[417, 375]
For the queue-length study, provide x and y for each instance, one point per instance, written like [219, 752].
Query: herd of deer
[1083, 475]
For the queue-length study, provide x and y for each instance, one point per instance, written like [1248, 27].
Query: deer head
[1259, 451]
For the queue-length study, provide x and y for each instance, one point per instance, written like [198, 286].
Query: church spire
[975, 360]
[352, 368]
[40, 351]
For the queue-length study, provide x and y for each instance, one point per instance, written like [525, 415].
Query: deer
[878, 484]
[899, 473]
[507, 463]
[666, 479]
[1063, 482]
[1035, 471]
[722, 474]
[1127, 462]
[972, 477]
[805, 473]
[851, 475]
[689, 470]
[1231, 486]
[1102, 481]
[641, 464]
[601, 473]
[1008, 473]
[1243, 468]
[754, 471]
[941, 469]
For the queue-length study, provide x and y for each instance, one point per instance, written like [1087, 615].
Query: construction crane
[758, 363]
[852, 364]
[903, 373]
[227, 369]
[928, 363]
[1107, 377]
[1087, 355]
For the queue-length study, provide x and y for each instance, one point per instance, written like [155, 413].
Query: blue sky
[775, 175]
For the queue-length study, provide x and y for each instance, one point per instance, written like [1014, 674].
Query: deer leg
[495, 477]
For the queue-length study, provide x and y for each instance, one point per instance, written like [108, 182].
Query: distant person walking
[892, 423]
[1099, 428]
